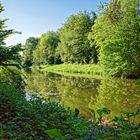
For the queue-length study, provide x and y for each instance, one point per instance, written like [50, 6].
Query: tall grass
[91, 69]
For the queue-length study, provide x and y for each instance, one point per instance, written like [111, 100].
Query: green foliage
[114, 37]
[126, 124]
[31, 119]
[54, 133]
[46, 51]
[103, 111]
[8, 55]
[116, 33]
[37, 118]
[29, 47]
[138, 82]
[74, 44]
[3, 33]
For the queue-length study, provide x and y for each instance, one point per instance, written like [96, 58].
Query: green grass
[90, 69]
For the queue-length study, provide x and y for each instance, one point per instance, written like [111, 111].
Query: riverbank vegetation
[74, 68]
[110, 41]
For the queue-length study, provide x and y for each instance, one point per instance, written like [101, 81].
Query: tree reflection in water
[86, 94]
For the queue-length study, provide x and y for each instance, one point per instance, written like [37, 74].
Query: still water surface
[86, 93]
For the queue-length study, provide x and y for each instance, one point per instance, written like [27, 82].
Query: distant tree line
[111, 39]
[70, 44]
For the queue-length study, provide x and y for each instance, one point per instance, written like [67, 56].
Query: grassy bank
[90, 69]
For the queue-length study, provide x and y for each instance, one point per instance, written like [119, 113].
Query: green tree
[116, 33]
[9, 56]
[29, 47]
[45, 52]
[74, 43]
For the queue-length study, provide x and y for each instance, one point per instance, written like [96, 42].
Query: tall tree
[74, 43]
[9, 56]
[29, 47]
[116, 33]
[45, 52]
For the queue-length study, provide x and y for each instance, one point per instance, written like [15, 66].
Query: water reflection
[86, 93]
[118, 95]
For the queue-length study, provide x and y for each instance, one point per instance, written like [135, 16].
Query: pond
[86, 93]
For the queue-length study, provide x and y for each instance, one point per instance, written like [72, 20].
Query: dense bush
[116, 33]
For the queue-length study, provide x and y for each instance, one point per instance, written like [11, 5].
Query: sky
[35, 17]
